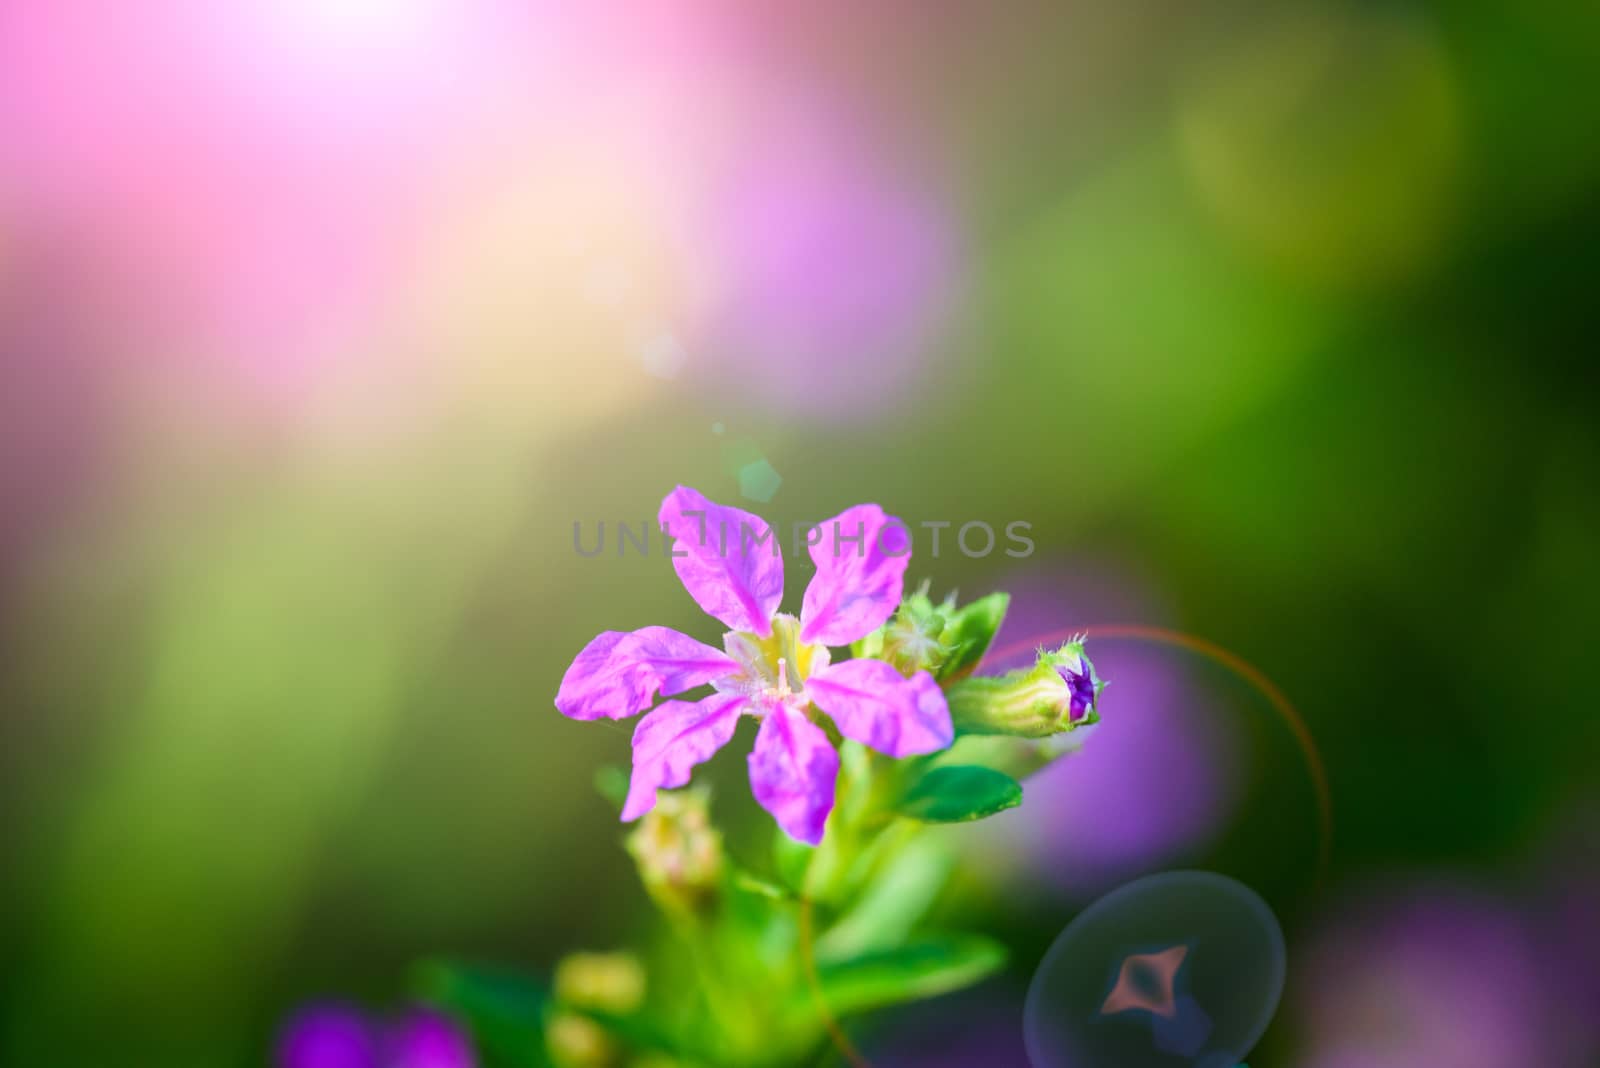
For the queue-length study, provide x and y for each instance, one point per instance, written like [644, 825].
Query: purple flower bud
[1080, 685]
[1057, 694]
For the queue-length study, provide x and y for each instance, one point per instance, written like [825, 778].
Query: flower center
[778, 665]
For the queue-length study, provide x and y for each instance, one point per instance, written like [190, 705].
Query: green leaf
[1016, 757]
[503, 1009]
[921, 969]
[960, 793]
[969, 632]
[751, 883]
[639, 1031]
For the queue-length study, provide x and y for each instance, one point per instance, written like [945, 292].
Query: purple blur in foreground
[1567, 921]
[328, 1036]
[1427, 976]
[339, 1036]
[775, 667]
[840, 263]
[960, 1030]
[424, 1039]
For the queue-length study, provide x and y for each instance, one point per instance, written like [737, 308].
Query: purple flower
[774, 667]
[337, 1036]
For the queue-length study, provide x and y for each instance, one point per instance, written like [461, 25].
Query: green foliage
[751, 964]
[792, 859]
[504, 1010]
[960, 793]
[893, 903]
[518, 1022]
[923, 968]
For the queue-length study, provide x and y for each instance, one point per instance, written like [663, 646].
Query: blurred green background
[321, 334]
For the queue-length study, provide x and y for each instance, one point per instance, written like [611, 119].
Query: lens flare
[1177, 968]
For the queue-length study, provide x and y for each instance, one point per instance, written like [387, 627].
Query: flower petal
[792, 771]
[861, 563]
[622, 672]
[729, 560]
[671, 740]
[873, 703]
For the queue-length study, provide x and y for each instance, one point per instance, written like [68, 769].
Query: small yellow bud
[609, 982]
[678, 851]
[575, 1041]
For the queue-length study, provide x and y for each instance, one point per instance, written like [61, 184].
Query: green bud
[938, 638]
[1059, 693]
[678, 852]
[913, 640]
[968, 634]
[608, 982]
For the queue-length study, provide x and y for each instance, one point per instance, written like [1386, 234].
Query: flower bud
[942, 639]
[1059, 693]
[912, 639]
[678, 851]
[609, 982]
[575, 1041]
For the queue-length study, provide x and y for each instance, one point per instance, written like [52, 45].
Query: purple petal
[620, 673]
[1080, 688]
[861, 563]
[729, 560]
[426, 1039]
[327, 1036]
[872, 703]
[792, 770]
[670, 741]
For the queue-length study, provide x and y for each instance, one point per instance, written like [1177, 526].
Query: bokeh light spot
[837, 265]
[759, 481]
[662, 354]
[1327, 138]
